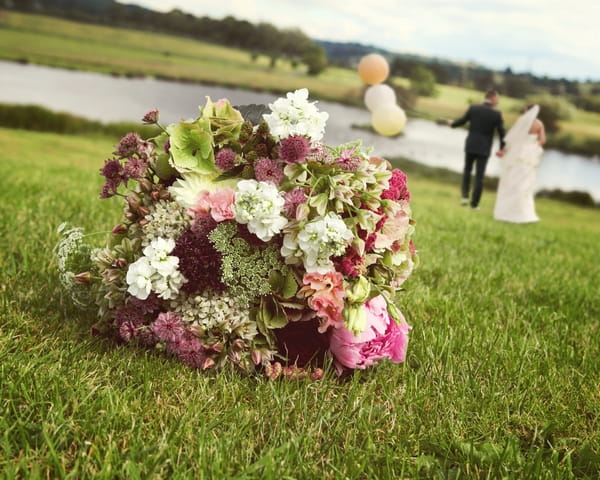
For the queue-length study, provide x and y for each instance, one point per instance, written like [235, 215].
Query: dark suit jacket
[483, 121]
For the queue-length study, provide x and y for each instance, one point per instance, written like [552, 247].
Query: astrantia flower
[128, 145]
[293, 198]
[168, 327]
[225, 159]
[135, 168]
[294, 149]
[268, 170]
[259, 205]
[295, 115]
[150, 117]
[112, 170]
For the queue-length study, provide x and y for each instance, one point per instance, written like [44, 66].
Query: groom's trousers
[480, 164]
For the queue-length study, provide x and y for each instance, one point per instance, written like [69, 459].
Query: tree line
[261, 38]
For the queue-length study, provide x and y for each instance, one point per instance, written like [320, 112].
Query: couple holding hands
[520, 150]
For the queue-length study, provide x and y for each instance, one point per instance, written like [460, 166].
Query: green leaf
[290, 286]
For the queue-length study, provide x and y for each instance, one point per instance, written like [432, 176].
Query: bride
[520, 159]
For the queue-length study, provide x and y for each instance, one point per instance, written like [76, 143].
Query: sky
[557, 38]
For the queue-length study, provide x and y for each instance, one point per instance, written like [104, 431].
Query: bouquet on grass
[248, 242]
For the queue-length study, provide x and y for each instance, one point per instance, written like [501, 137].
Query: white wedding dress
[515, 196]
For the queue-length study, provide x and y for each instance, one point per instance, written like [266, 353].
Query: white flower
[259, 205]
[295, 115]
[156, 271]
[168, 286]
[139, 278]
[318, 240]
[158, 254]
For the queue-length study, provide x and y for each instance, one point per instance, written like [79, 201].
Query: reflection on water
[108, 99]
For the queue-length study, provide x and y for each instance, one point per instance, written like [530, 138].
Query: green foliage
[501, 378]
[422, 81]
[33, 117]
[315, 59]
[247, 269]
[552, 110]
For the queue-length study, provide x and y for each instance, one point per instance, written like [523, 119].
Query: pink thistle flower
[383, 338]
[268, 170]
[225, 159]
[168, 327]
[294, 149]
[151, 117]
[293, 198]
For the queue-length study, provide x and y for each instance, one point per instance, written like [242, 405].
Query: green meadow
[502, 377]
[61, 43]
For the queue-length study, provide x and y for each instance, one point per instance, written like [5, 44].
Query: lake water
[107, 98]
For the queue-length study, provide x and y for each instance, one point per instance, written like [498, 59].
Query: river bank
[109, 99]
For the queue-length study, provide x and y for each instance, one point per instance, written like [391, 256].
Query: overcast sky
[546, 37]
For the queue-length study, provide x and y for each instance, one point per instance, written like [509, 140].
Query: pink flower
[294, 149]
[293, 198]
[383, 338]
[168, 327]
[268, 170]
[395, 226]
[225, 159]
[202, 204]
[325, 294]
[221, 203]
[218, 204]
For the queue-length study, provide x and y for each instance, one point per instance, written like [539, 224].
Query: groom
[483, 120]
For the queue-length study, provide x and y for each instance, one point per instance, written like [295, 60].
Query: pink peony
[220, 204]
[383, 338]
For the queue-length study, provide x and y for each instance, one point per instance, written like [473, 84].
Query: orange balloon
[373, 69]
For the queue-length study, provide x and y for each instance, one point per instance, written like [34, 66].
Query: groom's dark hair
[491, 93]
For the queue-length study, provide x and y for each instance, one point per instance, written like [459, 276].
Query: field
[502, 378]
[61, 43]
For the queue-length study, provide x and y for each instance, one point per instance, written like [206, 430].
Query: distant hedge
[34, 117]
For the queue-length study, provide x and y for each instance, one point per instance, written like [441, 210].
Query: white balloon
[388, 120]
[379, 95]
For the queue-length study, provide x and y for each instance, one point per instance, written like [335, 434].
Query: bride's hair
[528, 107]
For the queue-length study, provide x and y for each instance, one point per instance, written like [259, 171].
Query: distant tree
[422, 81]
[315, 59]
[516, 86]
[552, 110]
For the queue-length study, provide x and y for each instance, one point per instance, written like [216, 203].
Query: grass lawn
[502, 378]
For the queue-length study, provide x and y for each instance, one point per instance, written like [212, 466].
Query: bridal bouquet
[246, 241]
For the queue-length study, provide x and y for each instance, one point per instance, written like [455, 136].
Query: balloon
[379, 95]
[373, 69]
[388, 120]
